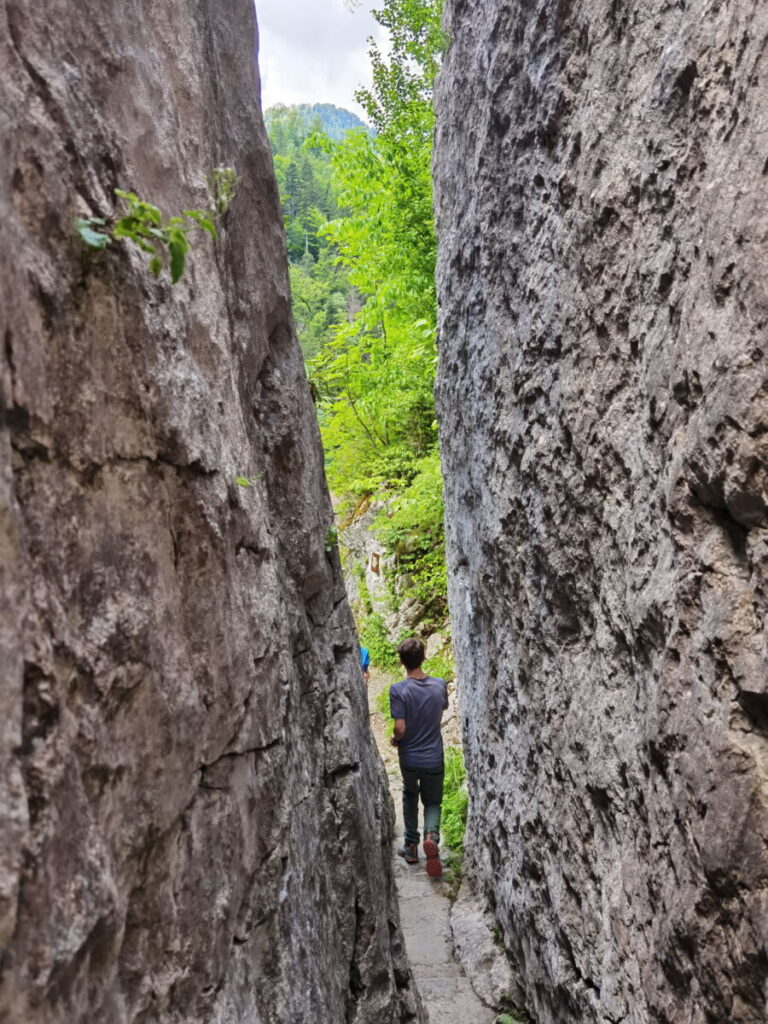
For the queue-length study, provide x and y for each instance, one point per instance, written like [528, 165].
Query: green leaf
[156, 266]
[242, 481]
[151, 213]
[94, 239]
[128, 227]
[138, 209]
[203, 220]
[177, 250]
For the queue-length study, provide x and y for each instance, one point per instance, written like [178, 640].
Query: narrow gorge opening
[356, 196]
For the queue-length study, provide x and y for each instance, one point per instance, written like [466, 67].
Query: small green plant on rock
[244, 481]
[374, 636]
[222, 183]
[453, 873]
[166, 242]
[512, 1012]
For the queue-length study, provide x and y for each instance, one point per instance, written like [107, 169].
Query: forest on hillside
[321, 292]
[362, 249]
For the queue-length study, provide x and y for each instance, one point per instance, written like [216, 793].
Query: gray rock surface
[601, 183]
[370, 575]
[366, 565]
[194, 823]
[476, 947]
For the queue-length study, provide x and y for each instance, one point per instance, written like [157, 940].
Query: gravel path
[424, 911]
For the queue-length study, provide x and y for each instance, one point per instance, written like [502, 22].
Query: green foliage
[373, 635]
[513, 1014]
[382, 704]
[375, 373]
[440, 667]
[222, 182]
[364, 596]
[308, 195]
[453, 873]
[321, 294]
[333, 121]
[321, 297]
[86, 228]
[413, 532]
[331, 537]
[244, 481]
[455, 800]
[361, 244]
[166, 242]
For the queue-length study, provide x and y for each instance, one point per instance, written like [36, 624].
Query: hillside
[334, 121]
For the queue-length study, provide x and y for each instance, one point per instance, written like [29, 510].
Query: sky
[314, 51]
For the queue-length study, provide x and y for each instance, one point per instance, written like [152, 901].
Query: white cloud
[314, 51]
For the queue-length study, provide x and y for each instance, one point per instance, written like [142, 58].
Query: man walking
[417, 704]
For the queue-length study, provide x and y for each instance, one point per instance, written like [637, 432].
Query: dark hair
[411, 652]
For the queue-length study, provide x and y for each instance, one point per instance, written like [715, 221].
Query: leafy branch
[166, 242]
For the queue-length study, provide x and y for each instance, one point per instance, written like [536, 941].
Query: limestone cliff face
[194, 826]
[601, 190]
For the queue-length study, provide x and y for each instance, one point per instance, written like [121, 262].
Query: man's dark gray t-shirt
[421, 703]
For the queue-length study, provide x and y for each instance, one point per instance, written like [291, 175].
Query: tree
[320, 288]
[375, 374]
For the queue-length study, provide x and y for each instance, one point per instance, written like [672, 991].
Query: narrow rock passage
[425, 911]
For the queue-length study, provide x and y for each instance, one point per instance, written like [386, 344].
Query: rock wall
[601, 183]
[371, 576]
[194, 823]
[366, 563]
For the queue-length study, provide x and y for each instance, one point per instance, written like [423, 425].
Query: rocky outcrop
[480, 953]
[366, 563]
[194, 823]
[601, 187]
[371, 576]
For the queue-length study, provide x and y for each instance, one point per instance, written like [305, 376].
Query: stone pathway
[424, 913]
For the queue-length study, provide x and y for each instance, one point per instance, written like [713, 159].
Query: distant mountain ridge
[336, 121]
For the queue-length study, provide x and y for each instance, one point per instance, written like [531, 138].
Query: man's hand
[393, 741]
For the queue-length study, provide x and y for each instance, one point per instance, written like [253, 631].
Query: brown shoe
[434, 867]
[409, 852]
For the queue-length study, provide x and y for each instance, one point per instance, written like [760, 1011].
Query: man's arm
[397, 711]
[398, 732]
